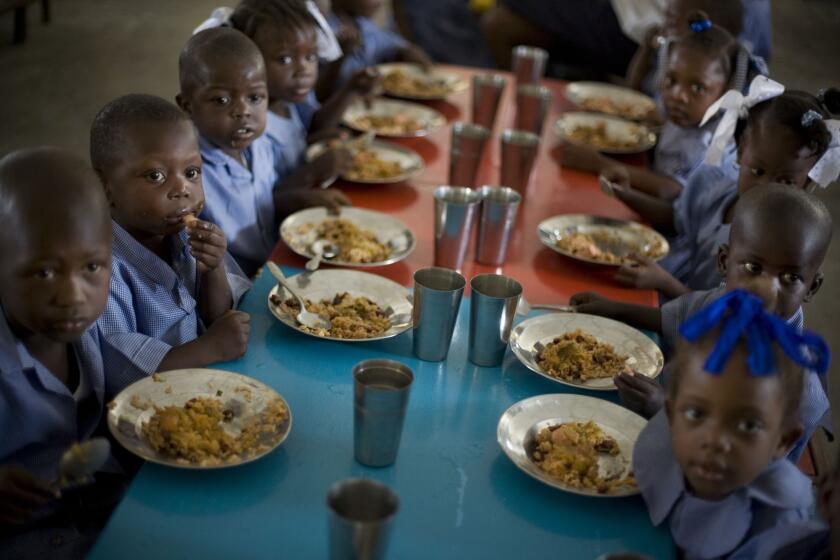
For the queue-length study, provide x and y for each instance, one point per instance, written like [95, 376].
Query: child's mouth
[243, 133]
[710, 472]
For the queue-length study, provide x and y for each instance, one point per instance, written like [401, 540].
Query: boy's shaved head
[109, 131]
[793, 217]
[210, 46]
[45, 190]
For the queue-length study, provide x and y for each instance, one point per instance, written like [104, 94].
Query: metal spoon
[305, 318]
[322, 250]
[524, 308]
[80, 461]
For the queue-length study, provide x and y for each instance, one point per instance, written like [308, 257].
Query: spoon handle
[283, 281]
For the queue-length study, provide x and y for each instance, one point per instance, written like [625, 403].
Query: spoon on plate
[322, 250]
[524, 308]
[305, 318]
[80, 461]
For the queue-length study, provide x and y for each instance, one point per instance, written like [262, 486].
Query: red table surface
[546, 276]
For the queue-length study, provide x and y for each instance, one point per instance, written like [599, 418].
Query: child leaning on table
[702, 64]
[286, 34]
[223, 89]
[711, 463]
[55, 265]
[784, 137]
[780, 265]
[174, 287]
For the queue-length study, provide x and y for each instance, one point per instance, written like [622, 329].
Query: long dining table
[460, 496]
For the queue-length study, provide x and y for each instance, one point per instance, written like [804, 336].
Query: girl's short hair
[712, 40]
[285, 15]
[800, 112]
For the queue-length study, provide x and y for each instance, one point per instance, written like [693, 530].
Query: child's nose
[69, 292]
[715, 438]
[241, 109]
[766, 287]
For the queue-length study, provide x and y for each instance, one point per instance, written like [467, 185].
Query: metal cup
[360, 519]
[494, 300]
[487, 92]
[519, 150]
[380, 397]
[437, 298]
[465, 153]
[455, 209]
[498, 214]
[532, 103]
[529, 64]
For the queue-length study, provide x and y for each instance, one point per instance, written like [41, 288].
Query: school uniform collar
[215, 156]
[661, 481]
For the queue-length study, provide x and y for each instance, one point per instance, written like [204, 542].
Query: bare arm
[226, 339]
[659, 213]
[208, 246]
[639, 316]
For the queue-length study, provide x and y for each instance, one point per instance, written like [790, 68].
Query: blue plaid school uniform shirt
[152, 306]
[377, 46]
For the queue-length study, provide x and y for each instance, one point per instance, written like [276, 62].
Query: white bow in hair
[827, 169]
[328, 47]
[218, 18]
[736, 106]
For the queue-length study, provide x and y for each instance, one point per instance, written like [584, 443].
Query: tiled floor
[94, 51]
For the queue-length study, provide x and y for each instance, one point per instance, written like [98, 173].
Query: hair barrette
[700, 26]
[810, 117]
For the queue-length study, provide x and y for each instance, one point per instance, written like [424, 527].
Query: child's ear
[788, 440]
[815, 286]
[183, 103]
[722, 256]
[105, 185]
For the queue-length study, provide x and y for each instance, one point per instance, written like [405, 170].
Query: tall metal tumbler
[499, 206]
[437, 298]
[529, 64]
[532, 103]
[361, 513]
[465, 154]
[493, 305]
[380, 397]
[519, 151]
[487, 92]
[455, 209]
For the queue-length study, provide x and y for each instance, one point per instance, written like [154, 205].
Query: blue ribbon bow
[701, 25]
[741, 314]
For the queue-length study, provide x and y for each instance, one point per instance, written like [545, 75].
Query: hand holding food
[207, 243]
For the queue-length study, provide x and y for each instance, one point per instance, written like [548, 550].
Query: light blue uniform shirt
[698, 220]
[680, 151]
[377, 46]
[814, 409]
[240, 200]
[152, 306]
[732, 528]
[39, 416]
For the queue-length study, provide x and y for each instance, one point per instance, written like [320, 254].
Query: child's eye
[692, 414]
[224, 100]
[155, 176]
[312, 57]
[791, 278]
[255, 98]
[45, 274]
[668, 82]
[94, 267]
[698, 88]
[752, 268]
[749, 426]
[193, 173]
[756, 172]
[786, 181]
[284, 59]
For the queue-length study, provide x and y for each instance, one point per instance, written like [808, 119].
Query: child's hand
[644, 274]
[207, 245]
[366, 82]
[582, 157]
[614, 179]
[332, 162]
[640, 393]
[591, 303]
[21, 495]
[348, 38]
[416, 55]
[228, 335]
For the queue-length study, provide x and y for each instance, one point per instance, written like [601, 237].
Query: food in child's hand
[399, 82]
[387, 124]
[577, 356]
[350, 317]
[356, 245]
[610, 106]
[597, 137]
[195, 433]
[570, 453]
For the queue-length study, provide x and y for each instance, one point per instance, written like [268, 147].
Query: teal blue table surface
[460, 496]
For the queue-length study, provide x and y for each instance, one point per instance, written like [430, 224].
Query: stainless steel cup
[529, 64]
[487, 92]
[360, 519]
[532, 103]
[493, 305]
[519, 151]
[465, 153]
[455, 209]
[499, 206]
[437, 298]
[380, 397]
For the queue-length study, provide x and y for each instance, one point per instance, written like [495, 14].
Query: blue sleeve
[307, 108]
[237, 280]
[382, 45]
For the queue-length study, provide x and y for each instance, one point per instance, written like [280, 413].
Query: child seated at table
[174, 288]
[285, 33]
[55, 265]
[711, 463]
[702, 64]
[364, 43]
[780, 265]
[784, 138]
[223, 89]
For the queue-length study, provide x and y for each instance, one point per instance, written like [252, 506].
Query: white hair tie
[827, 169]
[328, 47]
[736, 106]
[219, 17]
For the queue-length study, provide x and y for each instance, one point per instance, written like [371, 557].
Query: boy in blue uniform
[174, 288]
[55, 246]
